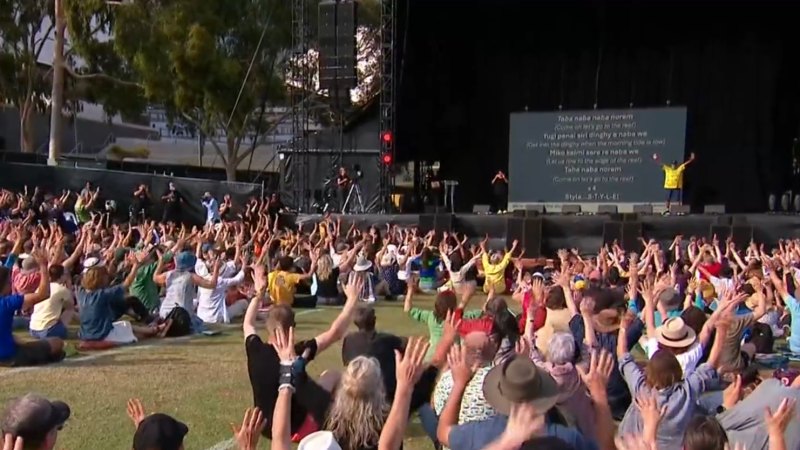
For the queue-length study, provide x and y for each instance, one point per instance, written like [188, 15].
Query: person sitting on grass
[494, 268]
[264, 364]
[29, 353]
[99, 303]
[283, 281]
[51, 317]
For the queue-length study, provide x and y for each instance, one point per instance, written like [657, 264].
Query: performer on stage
[342, 185]
[173, 201]
[500, 189]
[673, 178]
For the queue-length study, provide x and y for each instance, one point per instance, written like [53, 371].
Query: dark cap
[159, 432]
[32, 417]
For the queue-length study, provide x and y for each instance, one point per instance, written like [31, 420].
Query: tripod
[354, 189]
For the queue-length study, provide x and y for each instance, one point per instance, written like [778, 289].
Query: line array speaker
[337, 45]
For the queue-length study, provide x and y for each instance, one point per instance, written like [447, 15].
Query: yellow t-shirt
[48, 312]
[673, 176]
[281, 287]
[495, 274]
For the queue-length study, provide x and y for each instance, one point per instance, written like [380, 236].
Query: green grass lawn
[202, 382]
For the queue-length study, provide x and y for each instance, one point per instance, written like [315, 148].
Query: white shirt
[211, 306]
[688, 359]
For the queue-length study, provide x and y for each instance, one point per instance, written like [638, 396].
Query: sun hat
[92, 261]
[519, 380]
[362, 264]
[674, 333]
[159, 431]
[606, 320]
[32, 417]
[319, 440]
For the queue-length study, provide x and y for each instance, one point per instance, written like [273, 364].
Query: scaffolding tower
[295, 163]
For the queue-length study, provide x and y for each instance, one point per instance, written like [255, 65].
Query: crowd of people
[659, 347]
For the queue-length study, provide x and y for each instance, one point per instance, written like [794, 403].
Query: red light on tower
[387, 159]
[387, 137]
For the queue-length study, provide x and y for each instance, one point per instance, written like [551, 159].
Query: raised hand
[596, 378]
[135, 411]
[777, 422]
[410, 365]
[284, 344]
[651, 414]
[461, 369]
[11, 442]
[524, 423]
[249, 432]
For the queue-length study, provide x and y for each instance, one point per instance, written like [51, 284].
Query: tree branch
[85, 76]
[200, 130]
[38, 51]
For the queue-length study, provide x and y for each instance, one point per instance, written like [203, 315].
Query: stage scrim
[598, 156]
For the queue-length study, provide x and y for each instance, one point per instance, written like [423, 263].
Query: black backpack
[181, 322]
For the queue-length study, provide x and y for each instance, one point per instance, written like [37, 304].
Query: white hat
[362, 264]
[90, 262]
[391, 249]
[319, 440]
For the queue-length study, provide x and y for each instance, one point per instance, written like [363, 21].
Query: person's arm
[250, 316]
[408, 303]
[462, 373]
[135, 263]
[778, 422]
[208, 283]
[159, 277]
[723, 325]
[339, 326]
[408, 370]
[596, 380]
[43, 291]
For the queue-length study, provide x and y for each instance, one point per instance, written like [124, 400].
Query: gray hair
[561, 348]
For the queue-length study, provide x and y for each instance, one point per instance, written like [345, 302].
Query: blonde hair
[324, 267]
[94, 278]
[359, 407]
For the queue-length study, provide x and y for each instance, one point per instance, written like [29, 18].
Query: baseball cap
[32, 417]
[159, 432]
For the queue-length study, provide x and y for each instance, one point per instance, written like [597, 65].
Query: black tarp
[119, 186]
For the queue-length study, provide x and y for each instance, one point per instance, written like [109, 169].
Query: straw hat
[674, 333]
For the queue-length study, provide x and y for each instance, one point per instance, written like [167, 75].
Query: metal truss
[387, 104]
[295, 165]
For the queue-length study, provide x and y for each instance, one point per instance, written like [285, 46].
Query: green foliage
[192, 57]
[119, 153]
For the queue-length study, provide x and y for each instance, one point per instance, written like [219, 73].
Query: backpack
[181, 322]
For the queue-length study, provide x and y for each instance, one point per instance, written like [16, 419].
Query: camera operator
[342, 185]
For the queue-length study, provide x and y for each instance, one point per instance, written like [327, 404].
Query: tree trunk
[57, 96]
[230, 170]
[27, 141]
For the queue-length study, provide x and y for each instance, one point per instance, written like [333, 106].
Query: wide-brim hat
[674, 333]
[319, 440]
[362, 264]
[519, 380]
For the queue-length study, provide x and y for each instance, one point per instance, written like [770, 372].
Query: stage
[584, 232]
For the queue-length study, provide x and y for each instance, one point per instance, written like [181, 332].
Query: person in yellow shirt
[494, 268]
[673, 178]
[282, 283]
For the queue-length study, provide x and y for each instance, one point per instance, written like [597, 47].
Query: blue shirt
[97, 311]
[794, 311]
[619, 398]
[8, 306]
[212, 210]
[478, 435]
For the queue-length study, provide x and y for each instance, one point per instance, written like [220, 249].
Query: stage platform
[585, 232]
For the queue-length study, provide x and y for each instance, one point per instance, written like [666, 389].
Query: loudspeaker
[534, 210]
[680, 210]
[606, 209]
[612, 231]
[631, 232]
[528, 232]
[722, 232]
[481, 209]
[570, 209]
[643, 209]
[337, 45]
[436, 222]
[742, 235]
[714, 209]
